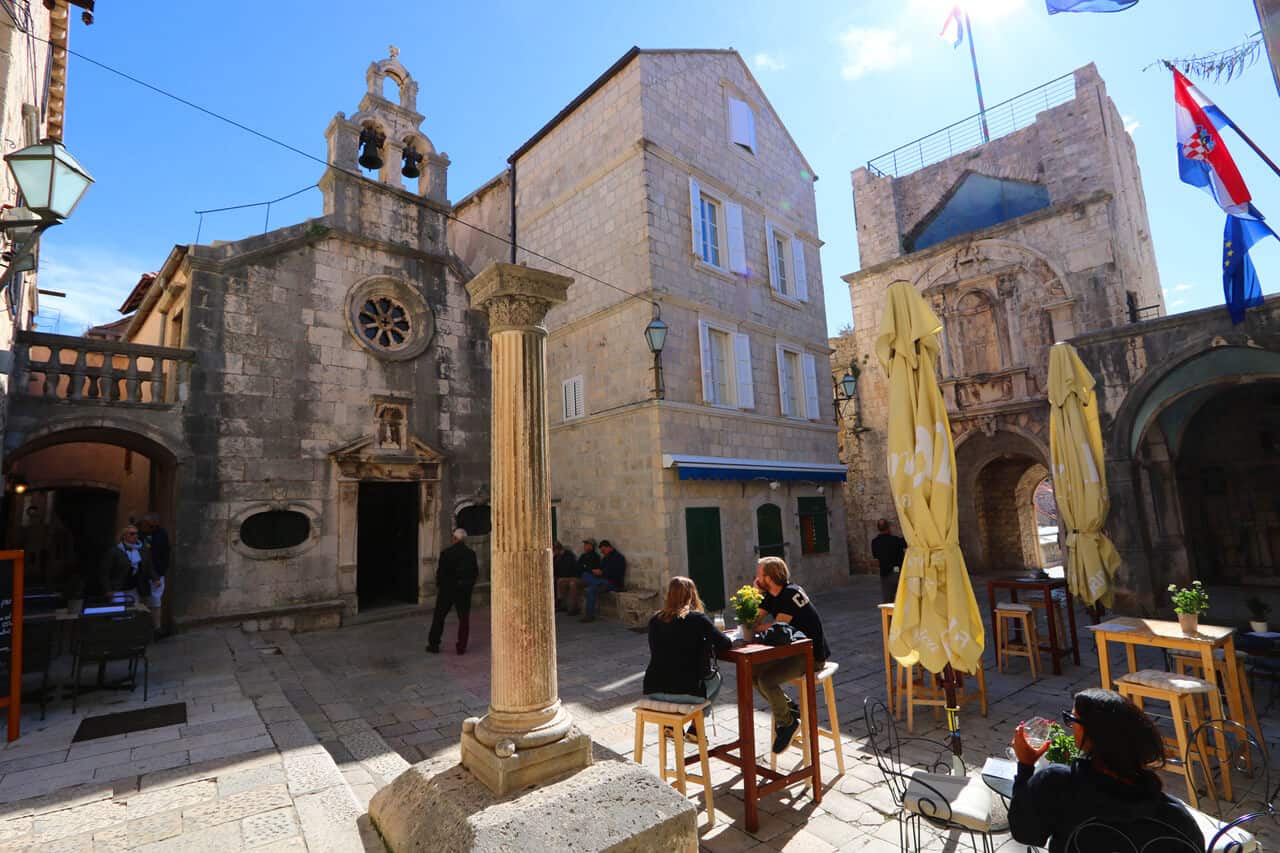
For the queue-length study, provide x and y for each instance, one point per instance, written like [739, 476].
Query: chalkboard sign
[12, 569]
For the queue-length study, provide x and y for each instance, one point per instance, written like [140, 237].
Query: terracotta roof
[112, 331]
[135, 296]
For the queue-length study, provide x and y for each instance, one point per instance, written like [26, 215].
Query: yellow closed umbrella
[936, 621]
[1080, 477]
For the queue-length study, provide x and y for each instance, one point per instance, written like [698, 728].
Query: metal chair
[37, 655]
[1137, 835]
[112, 637]
[1252, 794]
[926, 792]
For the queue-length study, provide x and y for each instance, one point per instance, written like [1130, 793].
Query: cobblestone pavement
[288, 736]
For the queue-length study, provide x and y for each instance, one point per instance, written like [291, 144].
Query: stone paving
[288, 736]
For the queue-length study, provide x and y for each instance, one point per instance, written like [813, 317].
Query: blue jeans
[593, 585]
[713, 683]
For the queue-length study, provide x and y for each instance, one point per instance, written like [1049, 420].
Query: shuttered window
[575, 405]
[814, 537]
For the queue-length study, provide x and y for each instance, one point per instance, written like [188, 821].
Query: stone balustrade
[88, 370]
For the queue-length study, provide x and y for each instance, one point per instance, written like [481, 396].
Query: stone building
[1036, 236]
[307, 409]
[671, 186]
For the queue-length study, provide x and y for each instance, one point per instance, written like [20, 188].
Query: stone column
[527, 737]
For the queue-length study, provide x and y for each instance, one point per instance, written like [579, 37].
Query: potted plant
[1258, 612]
[1062, 745]
[1189, 602]
[746, 608]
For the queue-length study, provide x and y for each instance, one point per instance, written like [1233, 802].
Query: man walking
[456, 575]
[889, 550]
[563, 565]
[588, 564]
[607, 578]
[155, 539]
[788, 604]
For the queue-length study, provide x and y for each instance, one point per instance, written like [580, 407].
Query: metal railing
[88, 370]
[1002, 119]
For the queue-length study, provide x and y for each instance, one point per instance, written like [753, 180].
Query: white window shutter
[742, 371]
[773, 254]
[737, 239]
[784, 386]
[708, 379]
[579, 399]
[571, 393]
[742, 124]
[797, 254]
[810, 386]
[695, 214]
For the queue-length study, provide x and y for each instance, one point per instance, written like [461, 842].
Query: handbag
[780, 634]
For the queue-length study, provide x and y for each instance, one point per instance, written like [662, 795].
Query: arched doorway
[998, 477]
[82, 485]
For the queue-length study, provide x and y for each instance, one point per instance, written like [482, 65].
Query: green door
[706, 562]
[769, 531]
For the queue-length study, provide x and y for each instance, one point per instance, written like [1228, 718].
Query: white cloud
[1130, 124]
[1177, 303]
[871, 49]
[96, 282]
[1181, 288]
[765, 61]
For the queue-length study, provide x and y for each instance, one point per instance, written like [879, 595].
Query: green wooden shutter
[706, 561]
[813, 514]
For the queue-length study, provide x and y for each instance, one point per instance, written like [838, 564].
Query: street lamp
[52, 182]
[655, 334]
[844, 391]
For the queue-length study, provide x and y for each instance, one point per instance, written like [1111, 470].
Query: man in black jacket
[456, 574]
[889, 550]
[607, 578]
[564, 570]
[588, 564]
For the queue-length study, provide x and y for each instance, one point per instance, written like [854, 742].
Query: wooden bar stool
[1181, 692]
[1030, 648]
[929, 693]
[895, 674]
[1059, 616]
[1190, 663]
[822, 679]
[671, 718]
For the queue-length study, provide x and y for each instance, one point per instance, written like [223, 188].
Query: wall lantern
[655, 335]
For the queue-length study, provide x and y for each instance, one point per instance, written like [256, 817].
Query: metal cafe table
[745, 658]
[1044, 586]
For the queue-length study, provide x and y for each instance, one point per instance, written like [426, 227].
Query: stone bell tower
[389, 132]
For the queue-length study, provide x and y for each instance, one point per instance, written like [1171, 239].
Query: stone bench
[631, 607]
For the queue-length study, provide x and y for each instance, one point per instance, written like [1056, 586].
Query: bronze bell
[411, 160]
[370, 144]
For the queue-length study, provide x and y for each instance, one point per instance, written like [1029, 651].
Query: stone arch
[393, 69]
[947, 264]
[1029, 529]
[110, 428]
[990, 467]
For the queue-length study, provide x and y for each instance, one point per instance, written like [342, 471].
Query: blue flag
[1240, 282]
[1056, 6]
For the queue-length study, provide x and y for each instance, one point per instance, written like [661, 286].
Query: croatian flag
[1056, 6]
[1203, 159]
[953, 27]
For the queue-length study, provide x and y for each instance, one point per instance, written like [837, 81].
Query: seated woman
[1113, 783]
[682, 646]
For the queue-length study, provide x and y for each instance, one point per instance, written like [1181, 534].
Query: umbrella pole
[949, 685]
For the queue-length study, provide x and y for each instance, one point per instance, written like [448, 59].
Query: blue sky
[851, 80]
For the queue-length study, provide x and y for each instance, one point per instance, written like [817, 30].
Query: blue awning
[723, 468]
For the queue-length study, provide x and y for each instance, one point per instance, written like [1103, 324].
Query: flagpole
[977, 81]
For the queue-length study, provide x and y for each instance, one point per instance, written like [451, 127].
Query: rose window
[384, 322]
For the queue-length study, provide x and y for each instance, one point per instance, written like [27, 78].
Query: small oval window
[475, 519]
[275, 529]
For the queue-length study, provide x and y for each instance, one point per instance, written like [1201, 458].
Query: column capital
[517, 296]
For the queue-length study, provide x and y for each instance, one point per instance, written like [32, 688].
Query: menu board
[12, 568]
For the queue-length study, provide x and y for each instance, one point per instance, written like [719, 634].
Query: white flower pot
[1257, 627]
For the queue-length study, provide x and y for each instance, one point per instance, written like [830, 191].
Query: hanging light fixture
[655, 335]
[411, 160]
[371, 141]
[52, 182]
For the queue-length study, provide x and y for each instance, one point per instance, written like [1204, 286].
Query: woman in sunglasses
[1111, 789]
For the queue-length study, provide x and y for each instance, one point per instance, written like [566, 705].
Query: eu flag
[1056, 6]
[1239, 279]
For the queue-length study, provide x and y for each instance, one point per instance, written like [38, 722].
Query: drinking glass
[718, 621]
[1037, 731]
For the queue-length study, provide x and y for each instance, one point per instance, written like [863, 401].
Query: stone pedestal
[613, 806]
[527, 736]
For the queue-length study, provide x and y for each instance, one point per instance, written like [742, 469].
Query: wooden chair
[671, 718]
[823, 679]
[1190, 663]
[1181, 693]
[895, 675]
[1030, 647]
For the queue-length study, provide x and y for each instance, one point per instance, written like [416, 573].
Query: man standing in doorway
[156, 541]
[456, 575]
[889, 550]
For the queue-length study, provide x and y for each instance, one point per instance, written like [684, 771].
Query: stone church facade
[312, 404]
[1031, 238]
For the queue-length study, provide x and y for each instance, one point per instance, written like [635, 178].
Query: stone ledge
[614, 805]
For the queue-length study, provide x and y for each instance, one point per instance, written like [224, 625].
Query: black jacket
[1049, 804]
[457, 567]
[682, 653]
[564, 566]
[889, 550]
[615, 568]
[588, 561]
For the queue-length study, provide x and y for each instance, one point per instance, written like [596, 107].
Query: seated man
[588, 564]
[787, 603]
[613, 567]
[564, 569]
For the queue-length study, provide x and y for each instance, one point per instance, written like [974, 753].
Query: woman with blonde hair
[682, 646]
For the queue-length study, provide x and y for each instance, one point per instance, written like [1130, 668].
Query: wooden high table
[1045, 586]
[1163, 634]
[746, 658]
